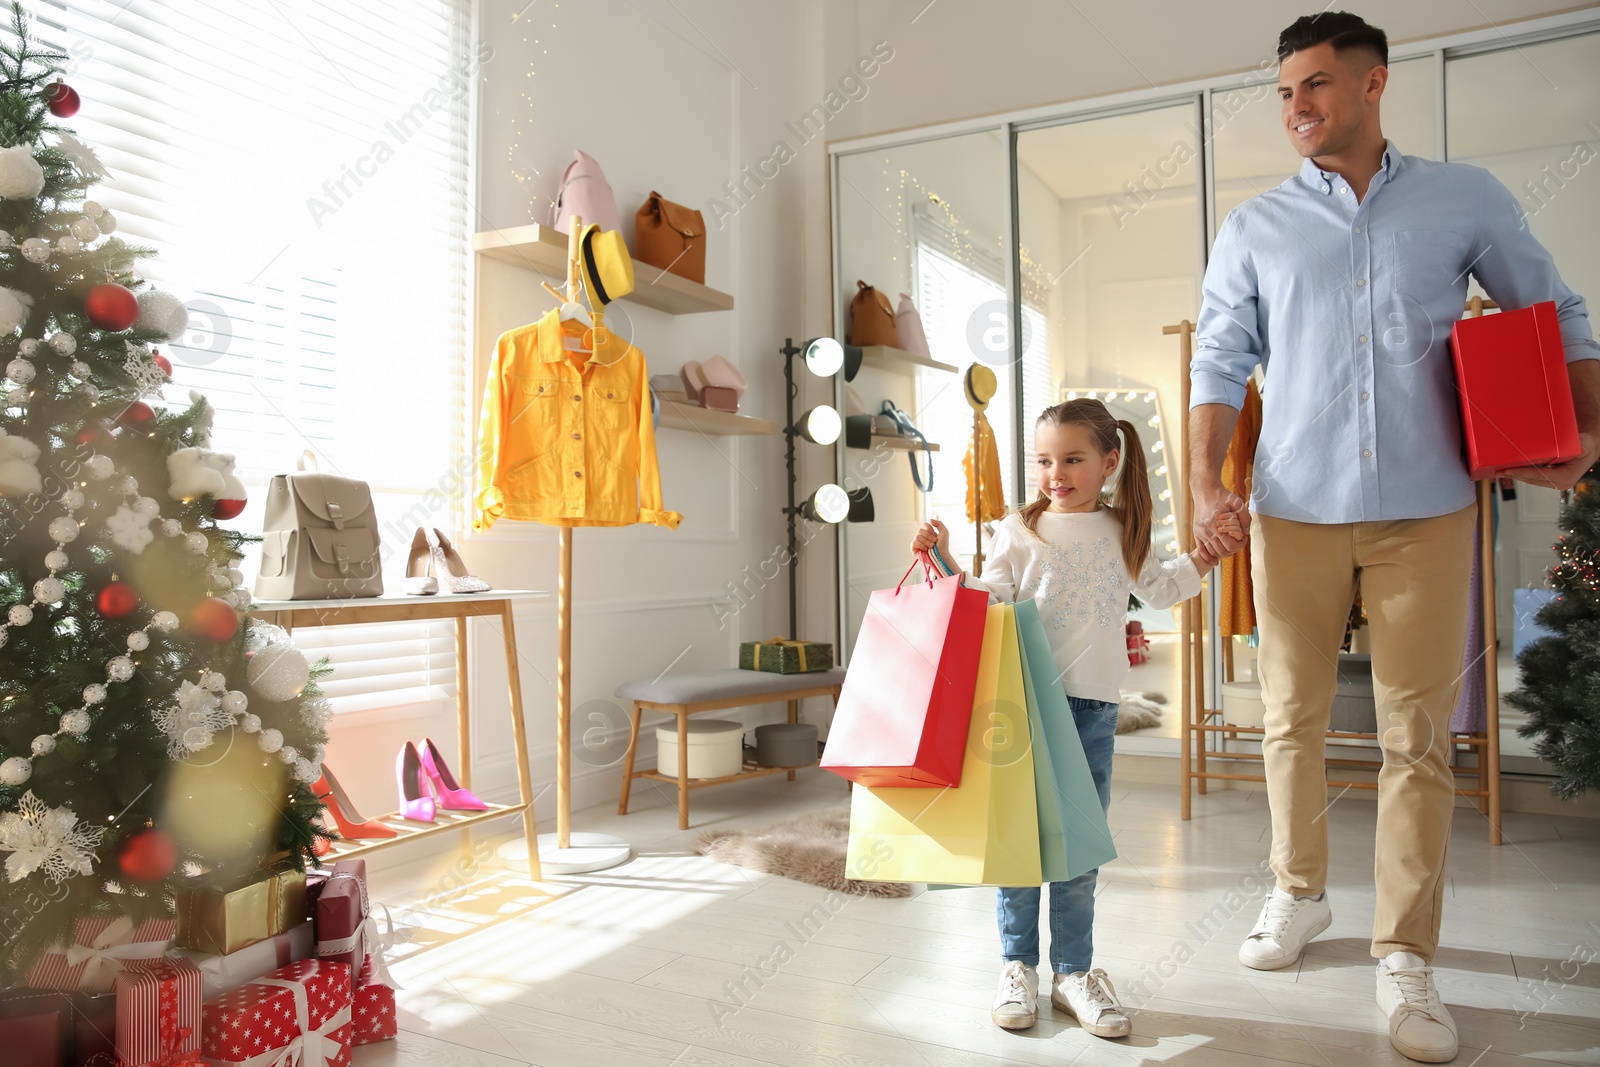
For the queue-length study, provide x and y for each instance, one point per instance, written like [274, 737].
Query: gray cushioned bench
[687, 694]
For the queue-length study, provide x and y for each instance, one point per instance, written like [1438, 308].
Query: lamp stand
[790, 391]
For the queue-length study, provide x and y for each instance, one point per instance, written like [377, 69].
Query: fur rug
[1139, 711]
[808, 848]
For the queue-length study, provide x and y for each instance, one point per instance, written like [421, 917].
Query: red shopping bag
[1516, 398]
[907, 698]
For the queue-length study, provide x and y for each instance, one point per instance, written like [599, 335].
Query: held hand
[932, 533]
[1220, 522]
[1560, 475]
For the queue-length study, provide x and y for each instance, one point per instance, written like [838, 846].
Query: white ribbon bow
[367, 937]
[107, 953]
[313, 1048]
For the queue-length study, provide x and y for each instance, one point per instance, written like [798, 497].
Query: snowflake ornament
[192, 722]
[130, 530]
[147, 375]
[42, 838]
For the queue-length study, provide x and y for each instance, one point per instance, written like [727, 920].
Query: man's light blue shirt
[1348, 309]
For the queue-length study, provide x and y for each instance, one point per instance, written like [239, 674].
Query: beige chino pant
[1414, 576]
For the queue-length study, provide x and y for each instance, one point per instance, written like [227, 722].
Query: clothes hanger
[571, 311]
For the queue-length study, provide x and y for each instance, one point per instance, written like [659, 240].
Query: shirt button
[1358, 229]
[579, 474]
[576, 396]
[1359, 283]
[1366, 396]
[1362, 339]
[577, 437]
[1367, 452]
[1343, 190]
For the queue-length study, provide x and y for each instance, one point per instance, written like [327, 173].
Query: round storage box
[716, 748]
[786, 744]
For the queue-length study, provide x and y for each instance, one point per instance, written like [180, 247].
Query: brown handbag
[872, 320]
[672, 237]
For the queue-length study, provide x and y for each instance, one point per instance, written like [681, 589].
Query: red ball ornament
[148, 856]
[111, 306]
[62, 100]
[163, 362]
[94, 433]
[116, 599]
[223, 510]
[137, 415]
[212, 619]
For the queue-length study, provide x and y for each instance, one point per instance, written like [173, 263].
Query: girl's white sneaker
[1016, 1005]
[1089, 997]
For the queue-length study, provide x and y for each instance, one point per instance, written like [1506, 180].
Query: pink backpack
[912, 337]
[586, 193]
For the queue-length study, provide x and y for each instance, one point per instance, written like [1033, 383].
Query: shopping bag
[1073, 835]
[903, 712]
[984, 831]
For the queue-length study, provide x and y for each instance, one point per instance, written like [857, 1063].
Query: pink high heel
[450, 794]
[416, 802]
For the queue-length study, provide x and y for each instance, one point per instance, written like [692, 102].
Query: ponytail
[1131, 501]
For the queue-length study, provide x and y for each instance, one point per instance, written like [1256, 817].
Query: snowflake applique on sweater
[1081, 581]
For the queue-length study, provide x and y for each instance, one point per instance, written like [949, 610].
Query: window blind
[301, 170]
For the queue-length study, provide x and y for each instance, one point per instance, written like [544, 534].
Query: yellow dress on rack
[985, 457]
[1235, 594]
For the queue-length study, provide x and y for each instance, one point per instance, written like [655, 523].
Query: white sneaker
[1089, 997]
[1286, 924]
[1419, 1024]
[1016, 1006]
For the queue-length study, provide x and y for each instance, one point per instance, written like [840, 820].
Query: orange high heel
[351, 826]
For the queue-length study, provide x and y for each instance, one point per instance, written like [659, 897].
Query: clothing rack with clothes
[1206, 738]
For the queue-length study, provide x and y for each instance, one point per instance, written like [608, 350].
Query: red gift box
[343, 911]
[101, 948]
[1516, 398]
[299, 1013]
[372, 1012]
[158, 1014]
[35, 1027]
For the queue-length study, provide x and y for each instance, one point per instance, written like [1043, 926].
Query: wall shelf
[886, 358]
[708, 421]
[909, 444]
[543, 249]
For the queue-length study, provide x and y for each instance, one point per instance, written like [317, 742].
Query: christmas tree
[1561, 672]
[148, 731]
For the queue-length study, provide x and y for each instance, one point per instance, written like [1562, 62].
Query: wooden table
[497, 603]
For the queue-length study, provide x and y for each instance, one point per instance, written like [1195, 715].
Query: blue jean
[1071, 903]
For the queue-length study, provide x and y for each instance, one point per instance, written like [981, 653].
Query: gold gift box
[221, 920]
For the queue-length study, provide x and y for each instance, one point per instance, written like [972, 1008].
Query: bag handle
[308, 457]
[927, 570]
[903, 421]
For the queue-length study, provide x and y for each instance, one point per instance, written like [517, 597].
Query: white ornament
[43, 745]
[278, 672]
[49, 590]
[241, 599]
[127, 485]
[171, 527]
[79, 369]
[56, 560]
[138, 641]
[63, 530]
[214, 681]
[19, 397]
[220, 580]
[147, 508]
[250, 723]
[93, 209]
[20, 615]
[190, 724]
[235, 576]
[29, 346]
[94, 693]
[107, 223]
[234, 702]
[20, 371]
[99, 467]
[197, 472]
[21, 177]
[88, 390]
[130, 530]
[306, 771]
[19, 471]
[16, 770]
[85, 230]
[35, 249]
[5, 238]
[68, 245]
[75, 723]
[161, 313]
[270, 740]
[287, 754]
[72, 500]
[196, 542]
[14, 307]
[64, 343]
[164, 621]
[147, 375]
[119, 669]
[42, 838]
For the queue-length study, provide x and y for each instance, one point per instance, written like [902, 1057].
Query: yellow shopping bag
[984, 831]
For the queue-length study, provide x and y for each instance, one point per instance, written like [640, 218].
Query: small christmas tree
[1561, 672]
[146, 732]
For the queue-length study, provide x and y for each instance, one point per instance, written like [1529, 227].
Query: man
[1347, 278]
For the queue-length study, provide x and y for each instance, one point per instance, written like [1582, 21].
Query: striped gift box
[101, 947]
[158, 1011]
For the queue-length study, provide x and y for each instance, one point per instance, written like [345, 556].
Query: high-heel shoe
[449, 794]
[419, 564]
[350, 822]
[450, 570]
[416, 802]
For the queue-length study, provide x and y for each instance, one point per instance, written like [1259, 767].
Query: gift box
[372, 1011]
[1516, 398]
[1138, 644]
[158, 1014]
[94, 1028]
[343, 916]
[101, 947]
[35, 1027]
[782, 656]
[300, 1012]
[219, 974]
[224, 918]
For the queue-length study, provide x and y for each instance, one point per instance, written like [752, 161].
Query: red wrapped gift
[344, 928]
[101, 948]
[35, 1027]
[222, 973]
[1516, 398]
[372, 1012]
[158, 1014]
[246, 1024]
[297, 1015]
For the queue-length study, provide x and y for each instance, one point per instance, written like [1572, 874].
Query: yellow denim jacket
[566, 438]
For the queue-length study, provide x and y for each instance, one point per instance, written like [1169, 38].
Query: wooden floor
[676, 960]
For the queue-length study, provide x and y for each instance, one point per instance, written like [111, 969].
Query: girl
[1078, 557]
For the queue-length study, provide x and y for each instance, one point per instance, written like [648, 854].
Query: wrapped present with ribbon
[101, 947]
[297, 1016]
[224, 918]
[347, 932]
[372, 1012]
[158, 1014]
[780, 655]
[35, 1027]
[222, 973]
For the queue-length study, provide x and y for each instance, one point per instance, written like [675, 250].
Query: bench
[684, 695]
